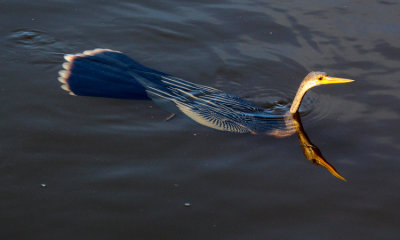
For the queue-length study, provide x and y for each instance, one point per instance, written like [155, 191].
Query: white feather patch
[69, 58]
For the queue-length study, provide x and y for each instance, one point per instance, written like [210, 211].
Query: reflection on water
[310, 150]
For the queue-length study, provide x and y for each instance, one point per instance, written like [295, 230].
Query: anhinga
[109, 73]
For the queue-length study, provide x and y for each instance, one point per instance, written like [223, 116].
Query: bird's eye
[320, 78]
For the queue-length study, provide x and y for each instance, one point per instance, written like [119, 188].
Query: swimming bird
[110, 73]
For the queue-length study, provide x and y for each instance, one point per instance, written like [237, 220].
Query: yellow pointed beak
[331, 80]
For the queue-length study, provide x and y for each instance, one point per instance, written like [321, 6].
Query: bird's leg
[170, 117]
[253, 132]
[311, 151]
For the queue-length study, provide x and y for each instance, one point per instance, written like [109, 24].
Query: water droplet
[43, 185]
[187, 204]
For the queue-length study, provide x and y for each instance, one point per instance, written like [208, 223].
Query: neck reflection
[310, 150]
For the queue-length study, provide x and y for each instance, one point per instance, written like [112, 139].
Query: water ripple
[315, 107]
[31, 38]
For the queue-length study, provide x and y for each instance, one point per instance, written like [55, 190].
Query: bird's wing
[213, 108]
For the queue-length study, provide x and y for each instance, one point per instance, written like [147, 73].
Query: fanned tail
[102, 73]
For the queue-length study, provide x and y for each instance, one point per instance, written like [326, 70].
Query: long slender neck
[297, 99]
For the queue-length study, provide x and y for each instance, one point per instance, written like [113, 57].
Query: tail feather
[102, 73]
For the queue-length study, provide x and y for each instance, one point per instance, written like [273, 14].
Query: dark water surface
[87, 168]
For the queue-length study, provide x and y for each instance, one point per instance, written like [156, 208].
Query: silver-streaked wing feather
[213, 108]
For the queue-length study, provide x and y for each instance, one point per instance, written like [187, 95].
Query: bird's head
[314, 79]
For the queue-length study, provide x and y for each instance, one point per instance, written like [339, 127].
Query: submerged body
[109, 73]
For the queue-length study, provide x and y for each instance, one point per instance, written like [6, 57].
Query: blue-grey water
[96, 168]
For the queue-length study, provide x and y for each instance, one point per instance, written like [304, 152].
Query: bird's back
[108, 73]
[212, 107]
